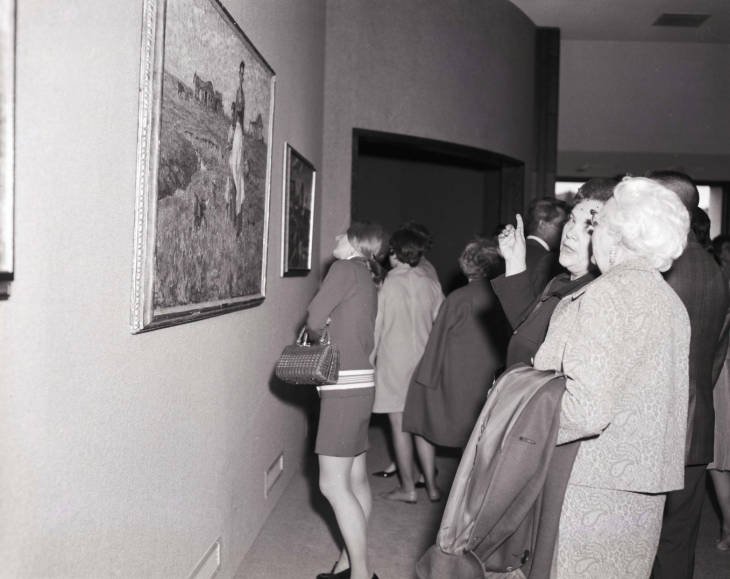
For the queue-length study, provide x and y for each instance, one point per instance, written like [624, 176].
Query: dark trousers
[675, 558]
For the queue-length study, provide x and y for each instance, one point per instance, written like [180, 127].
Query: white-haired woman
[623, 344]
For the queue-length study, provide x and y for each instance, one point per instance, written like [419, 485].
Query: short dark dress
[348, 298]
[465, 351]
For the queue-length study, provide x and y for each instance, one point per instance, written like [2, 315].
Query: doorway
[457, 192]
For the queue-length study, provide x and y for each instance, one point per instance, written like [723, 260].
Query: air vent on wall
[681, 20]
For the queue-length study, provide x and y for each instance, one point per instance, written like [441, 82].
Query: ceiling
[629, 20]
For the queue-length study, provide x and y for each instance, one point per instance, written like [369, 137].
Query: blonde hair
[368, 240]
[649, 219]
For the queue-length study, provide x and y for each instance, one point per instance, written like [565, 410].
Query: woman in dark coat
[465, 350]
[529, 313]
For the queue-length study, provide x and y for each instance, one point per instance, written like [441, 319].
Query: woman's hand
[513, 247]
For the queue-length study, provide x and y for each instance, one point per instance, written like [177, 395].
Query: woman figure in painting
[348, 300]
[235, 161]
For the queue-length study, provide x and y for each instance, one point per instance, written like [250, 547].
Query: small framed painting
[298, 214]
[203, 168]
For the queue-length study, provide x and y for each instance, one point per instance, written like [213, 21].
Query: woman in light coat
[407, 306]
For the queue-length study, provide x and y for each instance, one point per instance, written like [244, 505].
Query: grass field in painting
[198, 255]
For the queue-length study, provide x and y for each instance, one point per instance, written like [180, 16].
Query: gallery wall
[455, 71]
[130, 455]
[631, 106]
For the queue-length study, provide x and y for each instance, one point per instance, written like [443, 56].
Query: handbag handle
[324, 337]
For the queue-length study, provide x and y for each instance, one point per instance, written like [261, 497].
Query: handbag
[305, 363]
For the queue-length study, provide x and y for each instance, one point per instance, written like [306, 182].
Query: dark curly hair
[407, 245]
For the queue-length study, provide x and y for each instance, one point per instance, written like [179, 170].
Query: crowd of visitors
[618, 304]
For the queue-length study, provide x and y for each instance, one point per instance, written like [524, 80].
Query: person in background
[528, 311]
[700, 226]
[545, 220]
[464, 353]
[622, 343]
[426, 238]
[407, 305]
[347, 303]
[720, 467]
[699, 283]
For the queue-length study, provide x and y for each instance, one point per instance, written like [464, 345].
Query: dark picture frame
[206, 118]
[7, 145]
[300, 180]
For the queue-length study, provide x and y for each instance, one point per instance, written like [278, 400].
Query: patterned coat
[623, 343]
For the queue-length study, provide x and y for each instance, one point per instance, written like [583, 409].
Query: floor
[299, 539]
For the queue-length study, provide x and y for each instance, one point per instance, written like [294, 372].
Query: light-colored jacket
[623, 343]
[407, 306]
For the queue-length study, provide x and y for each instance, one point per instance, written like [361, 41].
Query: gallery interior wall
[460, 72]
[639, 105]
[129, 455]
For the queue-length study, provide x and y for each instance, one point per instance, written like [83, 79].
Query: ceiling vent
[681, 20]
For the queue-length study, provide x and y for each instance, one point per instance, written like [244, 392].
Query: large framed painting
[7, 142]
[298, 214]
[204, 166]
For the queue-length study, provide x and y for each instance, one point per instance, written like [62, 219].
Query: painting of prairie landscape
[299, 182]
[207, 185]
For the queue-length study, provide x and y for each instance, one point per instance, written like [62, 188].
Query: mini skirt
[344, 414]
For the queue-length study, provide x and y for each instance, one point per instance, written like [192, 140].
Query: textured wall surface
[130, 455]
[459, 71]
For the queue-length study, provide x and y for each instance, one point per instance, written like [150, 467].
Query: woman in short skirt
[348, 300]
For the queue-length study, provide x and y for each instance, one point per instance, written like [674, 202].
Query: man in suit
[545, 220]
[701, 286]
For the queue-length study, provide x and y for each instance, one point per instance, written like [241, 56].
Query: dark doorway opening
[458, 192]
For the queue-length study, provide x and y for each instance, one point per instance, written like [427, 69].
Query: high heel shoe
[386, 473]
[344, 574]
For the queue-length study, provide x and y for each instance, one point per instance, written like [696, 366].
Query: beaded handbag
[309, 364]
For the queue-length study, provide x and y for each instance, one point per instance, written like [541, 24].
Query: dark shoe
[421, 484]
[344, 574]
[375, 576]
[386, 473]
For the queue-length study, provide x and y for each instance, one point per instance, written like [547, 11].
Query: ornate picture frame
[300, 179]
[206, 118]
[7, 144]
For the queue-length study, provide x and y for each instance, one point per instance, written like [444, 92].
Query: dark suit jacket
[701, 286]
[542, 265]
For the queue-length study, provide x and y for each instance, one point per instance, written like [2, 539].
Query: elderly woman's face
[575, 243]
[605, 242]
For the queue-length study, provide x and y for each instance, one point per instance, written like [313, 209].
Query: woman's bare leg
[427, 457]
[335, 482]
[361, 489]
[721, 480]
[403, 445]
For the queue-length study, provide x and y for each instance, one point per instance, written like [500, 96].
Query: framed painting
[7, 143]
[206, 117]
[298, 214]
